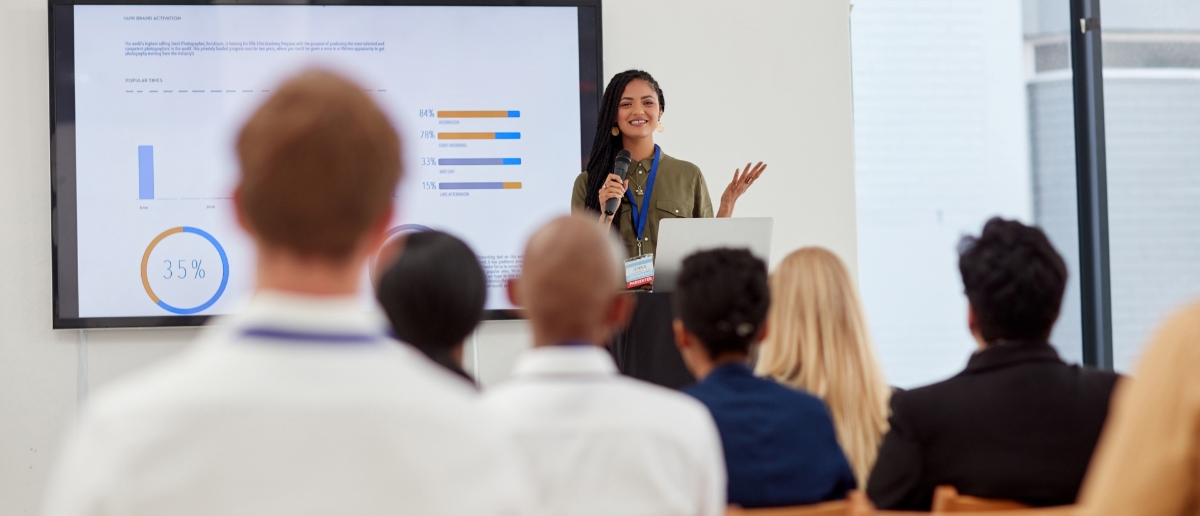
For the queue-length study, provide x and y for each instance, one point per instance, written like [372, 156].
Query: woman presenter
[657, 186]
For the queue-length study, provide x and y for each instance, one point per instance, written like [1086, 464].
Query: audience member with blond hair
[780, 445]
[1148, 458]
[818, 342]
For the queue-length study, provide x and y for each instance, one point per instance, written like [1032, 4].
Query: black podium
[646, 349]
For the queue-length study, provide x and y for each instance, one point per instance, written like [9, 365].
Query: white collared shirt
[297, 406]
[603, 444]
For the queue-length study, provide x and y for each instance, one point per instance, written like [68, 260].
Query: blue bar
[514, 114]
[508, 136]
[479, 161]
[471, 186]
[145, 172]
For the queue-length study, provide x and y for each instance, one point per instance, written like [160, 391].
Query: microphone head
[621, 165]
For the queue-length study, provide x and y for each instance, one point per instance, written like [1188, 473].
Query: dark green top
[679, 192]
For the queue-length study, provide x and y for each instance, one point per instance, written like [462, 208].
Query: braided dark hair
[606, 146]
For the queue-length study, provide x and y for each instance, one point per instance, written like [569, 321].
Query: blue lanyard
[641, 216]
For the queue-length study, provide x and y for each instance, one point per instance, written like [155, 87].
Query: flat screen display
[495, 104]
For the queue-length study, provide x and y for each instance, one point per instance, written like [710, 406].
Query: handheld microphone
[620, 168]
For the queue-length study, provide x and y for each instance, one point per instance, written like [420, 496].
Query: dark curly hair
[1014, 280]
[722, 298]
[606, 146]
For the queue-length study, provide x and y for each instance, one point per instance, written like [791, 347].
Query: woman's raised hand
[742, 179]
[614, 188]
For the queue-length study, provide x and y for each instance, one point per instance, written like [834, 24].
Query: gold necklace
[640, 185]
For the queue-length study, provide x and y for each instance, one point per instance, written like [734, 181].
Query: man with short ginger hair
[598, 443]
[300, 404]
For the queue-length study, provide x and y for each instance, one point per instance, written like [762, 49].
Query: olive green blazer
[679, 192]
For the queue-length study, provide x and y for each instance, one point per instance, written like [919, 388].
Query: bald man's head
[569, 281]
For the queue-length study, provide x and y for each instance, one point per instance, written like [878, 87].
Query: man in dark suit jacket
[780, 444]
[1018, 423]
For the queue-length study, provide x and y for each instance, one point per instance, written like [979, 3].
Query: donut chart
[406, 227]
[224, 270]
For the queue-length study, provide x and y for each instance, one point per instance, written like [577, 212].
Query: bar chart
[478, 136]
[474, 146]
[449, 162]
[169, 173]
[479, 114]
[480, 186]
[145, 172]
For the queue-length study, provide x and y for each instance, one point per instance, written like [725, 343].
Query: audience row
[305, 404]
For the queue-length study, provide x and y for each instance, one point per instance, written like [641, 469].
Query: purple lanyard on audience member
[641, 216]
[305, 337]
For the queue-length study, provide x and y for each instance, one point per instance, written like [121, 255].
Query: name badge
[639, 271]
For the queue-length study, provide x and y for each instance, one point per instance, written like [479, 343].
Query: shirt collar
[275, 311]
[731, 370]
[1010, 353]
[565, 361]
[648, 162]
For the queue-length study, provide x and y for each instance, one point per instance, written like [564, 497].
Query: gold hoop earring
[615, 131]
[661, 128]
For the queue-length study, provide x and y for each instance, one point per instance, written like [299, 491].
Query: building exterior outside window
[963, 111]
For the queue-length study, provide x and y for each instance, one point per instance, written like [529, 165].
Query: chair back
[946, 499]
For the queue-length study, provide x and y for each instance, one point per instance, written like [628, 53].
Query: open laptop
[679, 238]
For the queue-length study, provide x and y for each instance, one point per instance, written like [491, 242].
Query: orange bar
[476, 114]
[512, 186]
[466, 136]
[157, 239]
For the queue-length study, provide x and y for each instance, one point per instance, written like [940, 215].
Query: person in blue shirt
[780, 445]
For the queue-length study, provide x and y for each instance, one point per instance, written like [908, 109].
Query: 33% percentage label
[181, 269]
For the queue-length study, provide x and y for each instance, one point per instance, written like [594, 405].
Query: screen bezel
[64, 215]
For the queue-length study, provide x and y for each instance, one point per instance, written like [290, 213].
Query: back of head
[818, 342]
[722, 298]
[1014, 280]
[435, 293]
[570, 273]
[319, 162]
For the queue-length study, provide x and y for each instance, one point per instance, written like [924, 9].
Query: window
[1151, 52]
[954, 124]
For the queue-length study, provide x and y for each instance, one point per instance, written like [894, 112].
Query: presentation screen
[496, 106]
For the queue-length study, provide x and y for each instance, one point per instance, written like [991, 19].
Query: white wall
[748, 80]
[762, 80]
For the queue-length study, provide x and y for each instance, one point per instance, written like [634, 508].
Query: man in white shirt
[299, 405]
[598, 443]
